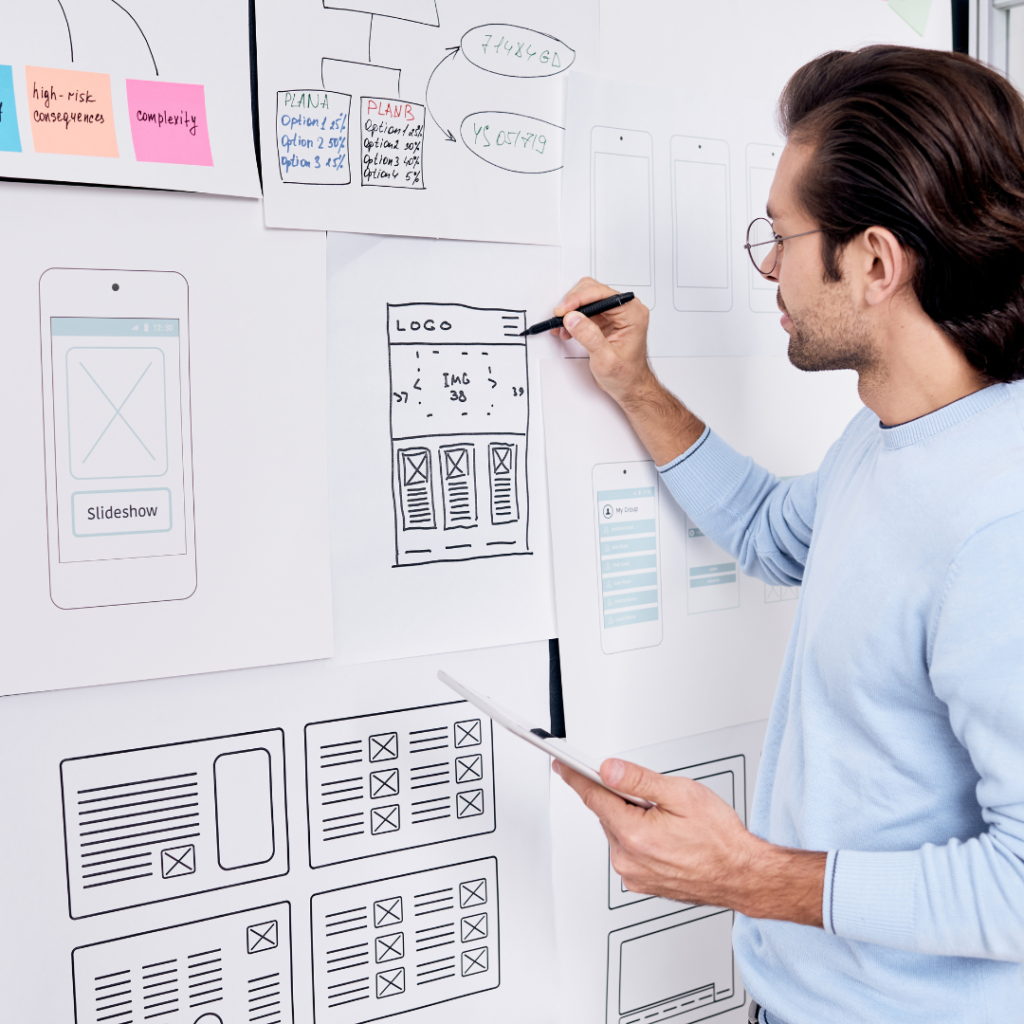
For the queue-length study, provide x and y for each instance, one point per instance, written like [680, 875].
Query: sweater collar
[909, 433]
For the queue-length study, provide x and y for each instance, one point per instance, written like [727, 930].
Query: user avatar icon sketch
[178, 860]
[117, 412]
[259, 937]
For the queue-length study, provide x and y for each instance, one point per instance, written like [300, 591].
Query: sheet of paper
[438, 495]
[625, 957]
[698, 646]
[168, 839]
[163, 438]
[438, 119]
[913, 12]
[128, 93]
[657, 193]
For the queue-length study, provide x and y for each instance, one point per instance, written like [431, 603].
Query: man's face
[826, 330]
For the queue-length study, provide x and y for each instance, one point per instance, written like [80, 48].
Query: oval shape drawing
[514, 142]
[516, 52]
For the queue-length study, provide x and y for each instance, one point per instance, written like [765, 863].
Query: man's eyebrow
[768, 211]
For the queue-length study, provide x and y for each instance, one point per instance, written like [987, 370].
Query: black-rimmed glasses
[761, 234]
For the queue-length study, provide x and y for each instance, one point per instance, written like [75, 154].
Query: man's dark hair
[931, 146]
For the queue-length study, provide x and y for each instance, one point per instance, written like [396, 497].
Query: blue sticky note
[10, 141]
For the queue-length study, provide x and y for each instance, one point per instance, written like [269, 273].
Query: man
[883, 875]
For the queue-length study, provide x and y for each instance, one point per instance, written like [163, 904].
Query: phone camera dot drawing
[459, 418]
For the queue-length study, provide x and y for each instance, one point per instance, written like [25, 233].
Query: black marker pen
[593, 309]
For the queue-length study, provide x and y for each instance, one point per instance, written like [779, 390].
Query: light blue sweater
[896, 740]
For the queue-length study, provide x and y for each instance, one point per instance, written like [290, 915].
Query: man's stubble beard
[831, 337]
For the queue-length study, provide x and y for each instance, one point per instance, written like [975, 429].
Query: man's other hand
[616, 341]
[692, 847]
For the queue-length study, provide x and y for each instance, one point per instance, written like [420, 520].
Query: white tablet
[540, 738]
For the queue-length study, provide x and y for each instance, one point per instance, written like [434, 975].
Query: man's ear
[877, 264]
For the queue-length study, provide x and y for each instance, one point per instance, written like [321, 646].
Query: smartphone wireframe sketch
[761, 163]
[622, 210]
[118, 437]
[628, 555]
[555, 746]
[701, 256]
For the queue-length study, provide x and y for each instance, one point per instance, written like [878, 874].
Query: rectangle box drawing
[712, 577]
[460, 413]
[679, 966]
[313, 136]
[761, 162]
[234, 968]
[396, 780]
[622, 210]
[399, 944]
[118, 436]
[701, 254]
[726, 777]
[157, 823]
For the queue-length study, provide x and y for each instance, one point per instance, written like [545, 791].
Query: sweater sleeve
[763, 522]
[964, 898]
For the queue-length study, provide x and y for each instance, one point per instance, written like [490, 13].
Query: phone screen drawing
[117, 427]
[761, 163]
[702, 264]
[628, 555]
[622, 211]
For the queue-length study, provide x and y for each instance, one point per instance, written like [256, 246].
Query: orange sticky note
[70, 112]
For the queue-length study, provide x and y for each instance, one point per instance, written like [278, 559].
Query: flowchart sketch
[456, 117]
[158, 823]
[235, 968]
[726, 777]
[712, 578]
[679, 966]
[312, 136]
[460, 409]
[403, 943]
[397, 780]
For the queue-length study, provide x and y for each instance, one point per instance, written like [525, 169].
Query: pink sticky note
[169, 122]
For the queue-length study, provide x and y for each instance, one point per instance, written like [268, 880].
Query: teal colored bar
[713, 570]
[640, 579]
[10, 140]
[628, 492]
[712, 581]
[628, 600]
[630, 618]
[629, 564]
[621, 529]
[623, 547]
[111, 327]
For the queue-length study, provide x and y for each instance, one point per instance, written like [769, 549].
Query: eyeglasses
[761, 234]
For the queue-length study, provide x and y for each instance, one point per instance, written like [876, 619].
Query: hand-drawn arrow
[452, 51]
